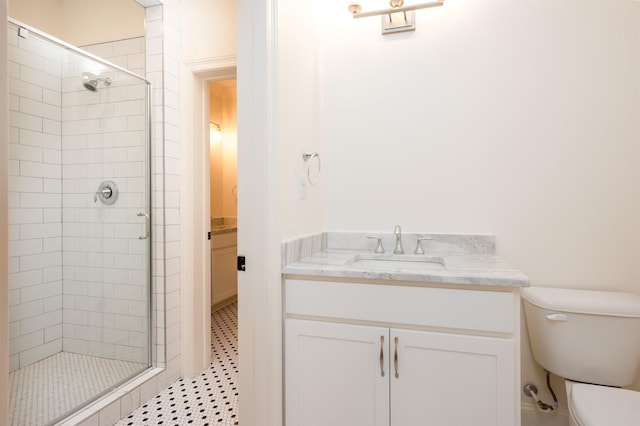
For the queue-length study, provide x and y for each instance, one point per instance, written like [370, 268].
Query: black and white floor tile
[211, 398]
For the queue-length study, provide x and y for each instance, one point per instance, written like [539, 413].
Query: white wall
[299, 118]
[216, 163]
[82, 22]
[516, 118]
[45, 15]
[91, 22]
[513, 118]
[229, 142]
[216, 29]
[224, 151]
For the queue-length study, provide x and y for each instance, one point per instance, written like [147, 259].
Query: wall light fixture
[398, 19]
[215, 133]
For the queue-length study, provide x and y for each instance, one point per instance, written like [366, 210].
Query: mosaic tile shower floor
[45, 390]
[210, 399]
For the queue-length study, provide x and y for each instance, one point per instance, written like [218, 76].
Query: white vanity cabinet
[224, 274]
[449, 379]
[333, 374]
[455, 352]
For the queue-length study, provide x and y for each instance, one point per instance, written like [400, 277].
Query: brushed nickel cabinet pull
[395, 358]
[382, 356]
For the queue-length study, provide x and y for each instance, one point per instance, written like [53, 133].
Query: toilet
[592, 340]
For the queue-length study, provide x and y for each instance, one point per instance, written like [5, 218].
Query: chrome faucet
[398, 233]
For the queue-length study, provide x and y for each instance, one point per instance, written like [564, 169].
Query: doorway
[259, 291]
[223, 201]
[223, 184]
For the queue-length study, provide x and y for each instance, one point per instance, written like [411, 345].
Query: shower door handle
[147, 220]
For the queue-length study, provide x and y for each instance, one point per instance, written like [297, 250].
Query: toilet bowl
[594, 405]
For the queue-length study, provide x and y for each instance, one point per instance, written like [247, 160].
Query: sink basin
[395, 262]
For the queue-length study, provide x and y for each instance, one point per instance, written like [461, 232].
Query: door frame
[195, 212]
[4, 223]
[259, 286]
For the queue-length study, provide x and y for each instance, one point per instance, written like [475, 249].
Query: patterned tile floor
[47, 389]
[207, 400]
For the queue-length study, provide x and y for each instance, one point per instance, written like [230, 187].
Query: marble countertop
[468, 260]
[223, 225]
[223, 229]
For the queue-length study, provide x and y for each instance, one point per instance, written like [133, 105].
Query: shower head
[92, 85]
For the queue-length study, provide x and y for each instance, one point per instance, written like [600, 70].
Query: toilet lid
[603, 406]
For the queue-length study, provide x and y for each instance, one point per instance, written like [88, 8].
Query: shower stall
[79, 249]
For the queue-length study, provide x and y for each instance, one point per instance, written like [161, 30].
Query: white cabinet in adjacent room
[224, 275]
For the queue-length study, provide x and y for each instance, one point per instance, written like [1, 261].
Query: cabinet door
[224, 276]
[336, 374]
[451, 380]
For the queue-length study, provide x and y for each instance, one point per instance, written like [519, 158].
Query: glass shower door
[79, 249]
[105, 205]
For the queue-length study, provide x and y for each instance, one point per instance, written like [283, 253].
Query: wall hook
[308, 157]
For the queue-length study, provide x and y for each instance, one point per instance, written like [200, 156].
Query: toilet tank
[586, 336]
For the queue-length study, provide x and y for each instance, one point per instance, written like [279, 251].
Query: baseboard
[531, 416]
[223, 297]
[224, 303]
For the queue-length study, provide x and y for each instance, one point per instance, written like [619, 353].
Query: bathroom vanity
[384, 339]
[224, 251]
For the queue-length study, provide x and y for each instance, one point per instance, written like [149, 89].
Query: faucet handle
[379, 248]
[419, 249]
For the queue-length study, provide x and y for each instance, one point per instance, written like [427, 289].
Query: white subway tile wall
[170, 119]
[104, 262]
[163, 59]
[35, 170]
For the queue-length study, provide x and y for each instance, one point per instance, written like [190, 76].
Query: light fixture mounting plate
[398, 22]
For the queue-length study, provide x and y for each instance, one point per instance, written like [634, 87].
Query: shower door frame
[151, 322]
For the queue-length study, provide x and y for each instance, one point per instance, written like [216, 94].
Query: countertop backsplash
[298, 248]
[464, 259]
